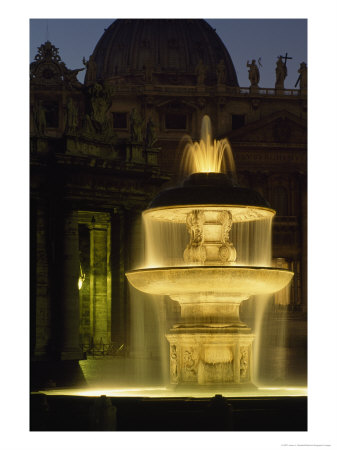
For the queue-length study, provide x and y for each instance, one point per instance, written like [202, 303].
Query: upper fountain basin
[209, 191]
[226, 280]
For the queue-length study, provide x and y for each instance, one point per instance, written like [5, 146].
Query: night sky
[245, 39]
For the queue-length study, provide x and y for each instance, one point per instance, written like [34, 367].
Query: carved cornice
[285, 223]
[271, 156]
[100, 218]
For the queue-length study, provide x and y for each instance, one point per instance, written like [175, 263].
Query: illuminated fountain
[208, 247]
[210, 345]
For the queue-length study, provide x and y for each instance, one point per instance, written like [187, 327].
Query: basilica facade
[102, 149]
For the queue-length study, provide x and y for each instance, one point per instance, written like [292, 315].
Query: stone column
[304, 241]
[117, 277]
[98, 283]
[70, 313]
[42, 320]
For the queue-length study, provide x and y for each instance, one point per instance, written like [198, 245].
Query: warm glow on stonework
[209, 345]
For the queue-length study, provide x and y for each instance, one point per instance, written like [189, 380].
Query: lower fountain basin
[235, 281]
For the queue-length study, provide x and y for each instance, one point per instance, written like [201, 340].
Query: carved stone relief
[227, 252]
[190, 364]
[98, 120]
[174, 365]
[244, 363]
[195, 251]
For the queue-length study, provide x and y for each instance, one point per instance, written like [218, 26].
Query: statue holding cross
[281, 71]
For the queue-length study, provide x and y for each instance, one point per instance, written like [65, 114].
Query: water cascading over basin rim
[209, 344]
[209, 189]
[240, 281]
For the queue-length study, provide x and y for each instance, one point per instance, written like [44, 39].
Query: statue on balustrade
[303, 77]
[281, 73]
[253, 73]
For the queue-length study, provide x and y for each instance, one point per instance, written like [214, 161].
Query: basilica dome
[163, 51]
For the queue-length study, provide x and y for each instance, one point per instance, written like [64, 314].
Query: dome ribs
[171, 46]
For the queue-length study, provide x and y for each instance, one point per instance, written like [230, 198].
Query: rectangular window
[175, 121]
[51, 110]
[119, 120]
[238, 121]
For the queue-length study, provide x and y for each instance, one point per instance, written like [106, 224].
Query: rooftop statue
[70, 76]
[253, 73]
[281, 71]
[303, 77]
[91, 70]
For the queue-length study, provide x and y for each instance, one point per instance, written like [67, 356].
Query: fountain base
[210, 356]
[210, 345]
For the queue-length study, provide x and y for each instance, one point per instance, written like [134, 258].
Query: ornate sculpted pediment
[176, 105]
[48, 68]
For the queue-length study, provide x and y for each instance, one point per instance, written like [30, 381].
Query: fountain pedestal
[210, 345]
[210, 356]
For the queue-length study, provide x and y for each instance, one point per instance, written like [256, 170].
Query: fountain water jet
[210, 345]
[207, 156]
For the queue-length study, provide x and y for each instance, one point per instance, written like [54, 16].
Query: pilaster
[98, 283]
[42, 308]
[69, 299]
